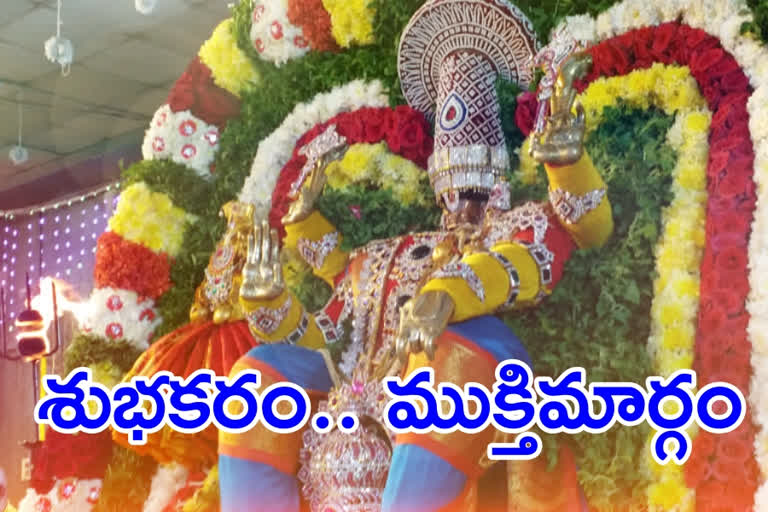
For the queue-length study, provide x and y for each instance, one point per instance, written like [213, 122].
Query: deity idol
[423, 299]
[215, 338]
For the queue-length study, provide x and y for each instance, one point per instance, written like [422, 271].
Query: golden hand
[422, 320]
[562, 142]
[263, 272]
[305, 204]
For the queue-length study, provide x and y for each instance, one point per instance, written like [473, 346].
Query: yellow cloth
[314, 228]
[594, 228]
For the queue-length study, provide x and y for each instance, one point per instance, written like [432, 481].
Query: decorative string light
[59, 49]
[21, 212]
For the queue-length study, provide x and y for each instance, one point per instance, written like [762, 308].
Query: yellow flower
[667, 494]
[697, 122]
[231, 68]
[150, 218]
[374, 165]
[351, 21]
[677, 338]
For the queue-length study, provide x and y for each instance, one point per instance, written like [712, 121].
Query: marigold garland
[130, 266]
[351, 21]
[231, 68]
[404, 129]
[150, 219]
[722, 347]
[375, 166]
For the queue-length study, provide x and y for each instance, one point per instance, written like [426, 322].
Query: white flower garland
[168, 480]
[273, 35]
[183, 138]
[118, 314]
[276, 149]
[722, 19]
[83, 494]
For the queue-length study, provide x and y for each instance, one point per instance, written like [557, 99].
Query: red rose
[734, 181]
[732, 303]
[703, 61]
[732, 259]
[664, 39]
[735, 81]
[375, 123]
[195, 91]
[214, 105]
[525, 113]
[409, 135]
[711, 320]
[350, 125]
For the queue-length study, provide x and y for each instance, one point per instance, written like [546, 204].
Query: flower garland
[722, 348]
[68, 495]
[162, 224]
[315, 23]
[130, 266]
[273, 35]
[63, 456]
[183, 138]
[351, 21]
[196, 92]
[679, 251]
[405, 131]
[375, 166]
[168, 480]
[231, 68]
[276, 149]
[122, 315]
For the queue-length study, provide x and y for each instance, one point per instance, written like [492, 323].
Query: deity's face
[3, 491]
[469, 209]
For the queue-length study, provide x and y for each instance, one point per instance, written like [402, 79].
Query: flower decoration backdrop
[675, 104]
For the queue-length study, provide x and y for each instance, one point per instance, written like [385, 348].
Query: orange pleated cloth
[190, 348]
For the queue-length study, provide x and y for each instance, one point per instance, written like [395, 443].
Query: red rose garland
[404, 129]
[195, 91]
[126, 265]
[84, 456]
[722, 468]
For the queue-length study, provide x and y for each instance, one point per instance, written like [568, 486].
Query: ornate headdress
[451, 54]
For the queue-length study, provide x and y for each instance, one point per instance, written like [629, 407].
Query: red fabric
[559, 243]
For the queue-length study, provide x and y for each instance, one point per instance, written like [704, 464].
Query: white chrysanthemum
[276, 149]
[753, 58]
[670, 9]
[273, 35]
[168, 481]
[183, 138]
[118, 314]
[639, 13]
[581, 27]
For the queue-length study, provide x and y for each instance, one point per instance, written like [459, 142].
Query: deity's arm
[282, 319]
[514, 269]
[578, 196]
[318, 242]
